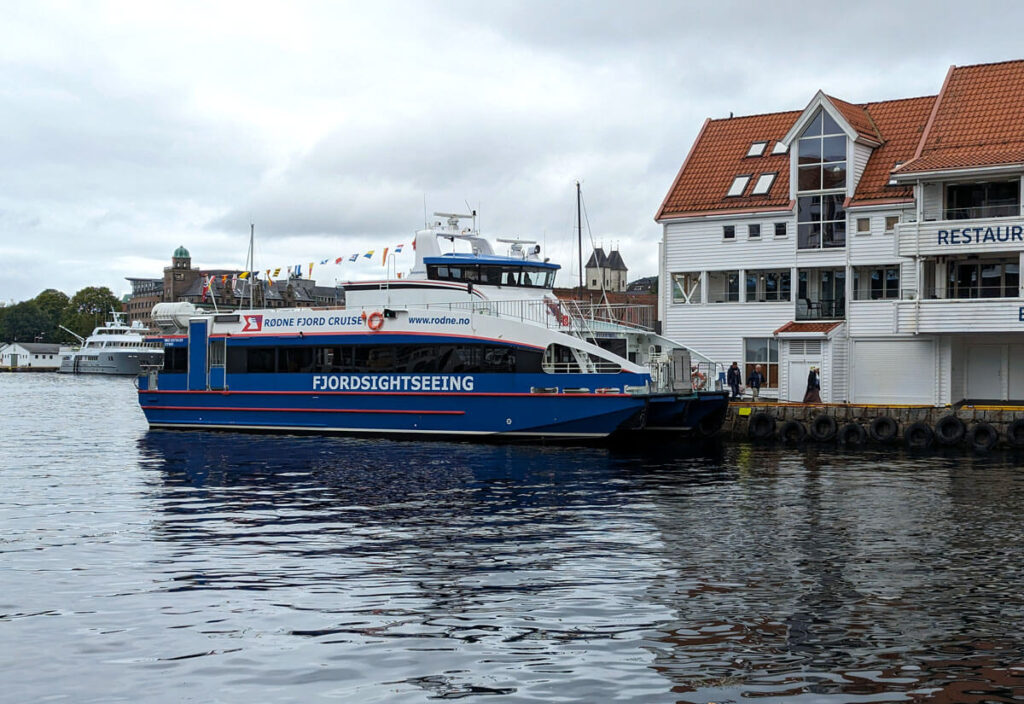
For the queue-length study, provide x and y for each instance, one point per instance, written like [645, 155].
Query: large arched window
[821, 184]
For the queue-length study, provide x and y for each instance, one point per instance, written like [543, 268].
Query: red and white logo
[253, 323]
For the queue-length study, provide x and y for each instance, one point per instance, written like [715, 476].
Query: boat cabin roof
[466, 258]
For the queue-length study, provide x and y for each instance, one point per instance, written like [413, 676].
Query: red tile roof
[719, 155]
[858, 118]
[794, 326]
[901, 123]
[978, 120]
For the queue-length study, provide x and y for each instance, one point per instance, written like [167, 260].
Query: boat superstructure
[114, 348]
[469, 343]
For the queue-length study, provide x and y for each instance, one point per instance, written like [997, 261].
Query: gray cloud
[127, 130]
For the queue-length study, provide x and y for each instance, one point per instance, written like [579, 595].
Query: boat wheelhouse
[470, 343]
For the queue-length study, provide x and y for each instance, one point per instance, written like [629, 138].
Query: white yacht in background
[113, 348]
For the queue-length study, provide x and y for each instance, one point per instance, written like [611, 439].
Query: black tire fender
[919, 436]
[982, 437]
[822, 428]
[761, 426]
[884, 429]
[792, 431]
[852, 435]
[1015, 433]
[949, 430]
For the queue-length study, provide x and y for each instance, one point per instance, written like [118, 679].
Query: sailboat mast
[579, 236]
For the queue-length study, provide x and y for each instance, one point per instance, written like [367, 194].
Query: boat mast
[579, 236]
[249, 263]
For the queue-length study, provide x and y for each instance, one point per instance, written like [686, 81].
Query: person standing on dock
[755, 380]
[813, 394]
[734, 379]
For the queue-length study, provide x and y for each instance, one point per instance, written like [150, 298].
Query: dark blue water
[139, 567]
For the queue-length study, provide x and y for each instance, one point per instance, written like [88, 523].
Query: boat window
[494, 275]
[490, 275]
[295, 360]
[385, 359]
[176, 359]
[559, 359]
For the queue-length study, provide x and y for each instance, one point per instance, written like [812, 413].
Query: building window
[763, 185]
[779, 148]
[863, 226]
[763, 351]
[781, 229]
[768, 285]
[723, 286]
[821, 155]
[821, 221]
[970, 201]
[757, 149]
[754, 231]
[686, 287]
[728, 232]
[876, 283]
[984, 279]
[821, 166]
[739, 184]
[890, 223]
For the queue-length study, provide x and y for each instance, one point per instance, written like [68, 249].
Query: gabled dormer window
[822, 155]
[763, 185]
[757, 149]
[739, 184]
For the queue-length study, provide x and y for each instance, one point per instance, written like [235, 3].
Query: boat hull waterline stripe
[389, 431]
[278, 409]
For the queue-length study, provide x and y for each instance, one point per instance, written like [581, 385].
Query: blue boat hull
[526, 410]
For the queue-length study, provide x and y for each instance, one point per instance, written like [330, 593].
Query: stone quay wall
[1001, 418]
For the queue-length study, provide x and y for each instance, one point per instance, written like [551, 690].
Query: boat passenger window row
[493, 275]
[384, 359]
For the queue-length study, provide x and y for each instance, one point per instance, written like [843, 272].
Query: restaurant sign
[981, 235]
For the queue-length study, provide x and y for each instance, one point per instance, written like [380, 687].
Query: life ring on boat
[697, 380]
[376, 321]
[565, 320]
[982, 437]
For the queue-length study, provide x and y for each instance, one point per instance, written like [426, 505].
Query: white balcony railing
[960, 315]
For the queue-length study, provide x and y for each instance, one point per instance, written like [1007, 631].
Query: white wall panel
[894, 371]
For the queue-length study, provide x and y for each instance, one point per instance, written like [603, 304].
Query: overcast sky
[129, 128]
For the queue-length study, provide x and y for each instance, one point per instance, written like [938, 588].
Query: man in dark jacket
[734, 379]
[755, 380]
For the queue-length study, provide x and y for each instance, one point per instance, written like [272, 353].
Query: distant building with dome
[183, 282]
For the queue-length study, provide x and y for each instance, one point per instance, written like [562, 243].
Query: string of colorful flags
[296, 269]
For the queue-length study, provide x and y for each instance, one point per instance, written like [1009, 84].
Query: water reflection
[733, 572]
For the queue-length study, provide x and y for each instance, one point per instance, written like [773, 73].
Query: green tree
[88, 309]
[24, 322]
[53, 302]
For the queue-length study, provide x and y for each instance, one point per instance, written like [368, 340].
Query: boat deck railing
[579, 317]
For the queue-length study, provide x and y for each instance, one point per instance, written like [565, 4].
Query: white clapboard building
[882, 242]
